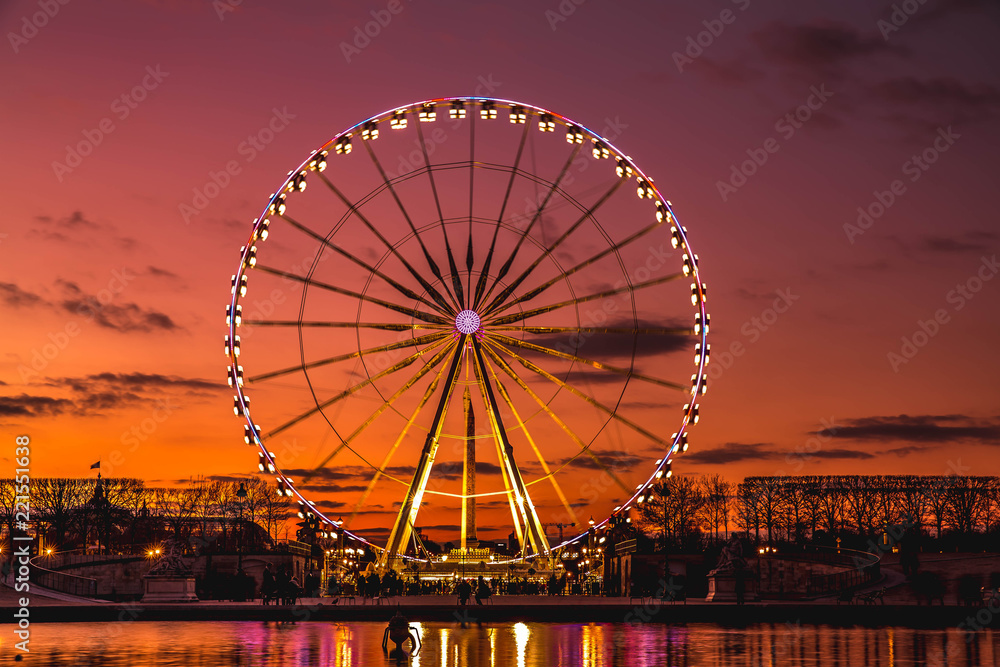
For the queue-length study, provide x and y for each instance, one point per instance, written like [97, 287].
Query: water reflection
[523, 644]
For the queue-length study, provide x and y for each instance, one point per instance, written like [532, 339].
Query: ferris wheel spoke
[407, 517]
[402, 289]
[538, 214]
[360, 354]
[658, 331]
[527, 296]
[469, 256]
[426, 368]
[627, 372]
[481, 283]
[452, 266]
[361, 216]
[387, 326]
[505, 451]
[508, 319]
[534, 446]
[402, 209]
[589, 399]
[412, 312]
[584, 447]
[399, 439]
[507, 291]
[354, 389]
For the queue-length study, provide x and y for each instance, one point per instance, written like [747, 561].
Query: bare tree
[747, 508]
[717, 493]
[175, 506]
[967, 504]
[58, 502]
[673, 508]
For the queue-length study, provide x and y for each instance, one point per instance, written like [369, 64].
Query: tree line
[959, 510]
[124, 515]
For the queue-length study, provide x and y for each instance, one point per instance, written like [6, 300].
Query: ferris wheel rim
[699, 380]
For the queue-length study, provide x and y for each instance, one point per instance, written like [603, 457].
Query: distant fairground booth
[467, 317]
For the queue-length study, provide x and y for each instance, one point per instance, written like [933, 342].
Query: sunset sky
[832, 164]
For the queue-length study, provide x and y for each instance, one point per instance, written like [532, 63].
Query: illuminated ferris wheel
[478, 318]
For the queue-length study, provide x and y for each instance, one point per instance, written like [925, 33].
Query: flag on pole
[96, 465]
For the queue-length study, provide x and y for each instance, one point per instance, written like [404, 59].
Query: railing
[61, 582]
[860, 569]
[68, 559]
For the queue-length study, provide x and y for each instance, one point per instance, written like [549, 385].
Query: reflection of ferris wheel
[497, 328]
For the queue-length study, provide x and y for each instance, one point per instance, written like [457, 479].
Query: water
[208, 644]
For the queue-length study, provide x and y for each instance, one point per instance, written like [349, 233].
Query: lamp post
[241, 495]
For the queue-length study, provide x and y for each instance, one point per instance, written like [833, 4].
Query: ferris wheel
[478, 319]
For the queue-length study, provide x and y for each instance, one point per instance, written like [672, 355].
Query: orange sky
[113, 296]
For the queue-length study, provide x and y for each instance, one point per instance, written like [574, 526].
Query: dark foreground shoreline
[723, 614]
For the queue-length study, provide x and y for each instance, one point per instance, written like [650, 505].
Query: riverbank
[568, 609]
[900, 606]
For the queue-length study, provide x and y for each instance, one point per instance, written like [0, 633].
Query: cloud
[33, 406]
[123, 317]
[371, 533]
[75, 220]
[139, 381]
[907, 450]
[77, 229]
[96, 394]
[601, 346]
[616, 459]
[326, 474]
[936, 429]
[732, 452]
[822, 44]
[157, 272]
[14, 296]
[976, 241]
[328, 488]
[330, 505]
[841, 454]
[941, 9]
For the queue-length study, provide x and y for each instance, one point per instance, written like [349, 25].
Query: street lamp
[241, 495]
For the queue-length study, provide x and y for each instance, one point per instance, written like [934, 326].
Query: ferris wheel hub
[468, 322]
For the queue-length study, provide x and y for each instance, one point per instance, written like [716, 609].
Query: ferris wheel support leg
[533, 525]
[515, 510]
[407, 517]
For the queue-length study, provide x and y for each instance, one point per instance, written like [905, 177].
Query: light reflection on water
[501, 645]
